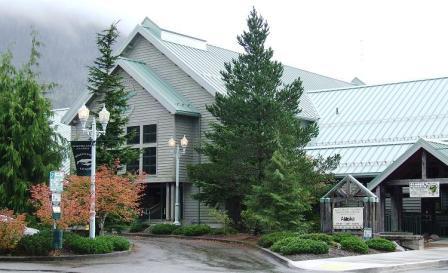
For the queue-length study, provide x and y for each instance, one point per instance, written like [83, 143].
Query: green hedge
[138, 227]
[163, 228]
[193, 230]
[381, 244]
[99, 245]
[223, 231]
[318, 237]
[268, 240]
[354, 244]
[39, 244]
[339, 236]
[296, 245]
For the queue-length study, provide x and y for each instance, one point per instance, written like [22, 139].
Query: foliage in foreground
[381, 244]
[163, 229]
[108, 89]
[268, 240]
[138, 226]
[39, 244]
[99, 245]
[193, 230]
[339, 236]
[318, 237]
[29, 147]
[11, 230]
[295, 245]
[255, 135]
[115, 195]
[354, 244]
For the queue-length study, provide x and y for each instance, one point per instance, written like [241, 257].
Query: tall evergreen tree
[256, 117]
[29, 147]
[109, 91]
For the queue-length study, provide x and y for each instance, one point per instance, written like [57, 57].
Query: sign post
[56, 188]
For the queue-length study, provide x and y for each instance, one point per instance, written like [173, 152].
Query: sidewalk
[384, 262]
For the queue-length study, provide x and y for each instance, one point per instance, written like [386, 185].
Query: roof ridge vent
[182, 39]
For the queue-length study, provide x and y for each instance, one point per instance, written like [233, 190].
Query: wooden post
[396, 205]
[326, 215]
[380, 207]
[424, 176]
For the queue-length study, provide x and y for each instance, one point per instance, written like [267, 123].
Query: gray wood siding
[145, 110]
[191, 213]
[144, 51]
[187, 126]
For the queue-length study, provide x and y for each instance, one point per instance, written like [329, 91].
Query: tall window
[144, 138]
[150, 133]
[133, 133]
[150, 160]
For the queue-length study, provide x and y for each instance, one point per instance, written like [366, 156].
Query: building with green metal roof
[172, 77]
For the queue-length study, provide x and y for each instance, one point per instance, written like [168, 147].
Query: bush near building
[296, 245]
[163, 229]
[339, 236]
[39, 244]
[318, 237]
[354, 244]
[381, 244]
[11, 230]
[193, 230]
[269, 239]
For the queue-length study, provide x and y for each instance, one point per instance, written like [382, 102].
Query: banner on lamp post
[83, 157]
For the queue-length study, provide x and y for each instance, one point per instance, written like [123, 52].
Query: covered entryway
[158, 202]
[413, 191]
[348, 206]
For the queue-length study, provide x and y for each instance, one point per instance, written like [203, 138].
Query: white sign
[56, 209]
[348, 218]
[56, 197]
[367, 233]
[56, 181]
[424, 189]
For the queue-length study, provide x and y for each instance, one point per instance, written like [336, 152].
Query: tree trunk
[101, 223]
[233, 207]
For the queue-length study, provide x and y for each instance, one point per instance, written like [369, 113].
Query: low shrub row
[193, 230]
[190, 230]
[40, 244]
[381, 244]
[269, 239]
[288, 243]
[296, 245]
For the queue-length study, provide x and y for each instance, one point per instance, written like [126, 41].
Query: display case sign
[424, 189]
[348, 218]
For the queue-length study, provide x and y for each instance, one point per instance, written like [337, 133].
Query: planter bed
[332, 253]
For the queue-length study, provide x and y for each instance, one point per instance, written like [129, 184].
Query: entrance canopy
[349, 188]
[417, 158]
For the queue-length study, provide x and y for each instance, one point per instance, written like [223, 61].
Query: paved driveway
[165, 255]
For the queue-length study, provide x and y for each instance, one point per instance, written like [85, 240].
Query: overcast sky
[377, 41]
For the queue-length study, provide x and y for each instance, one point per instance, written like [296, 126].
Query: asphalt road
[165, 255]
[429, 270]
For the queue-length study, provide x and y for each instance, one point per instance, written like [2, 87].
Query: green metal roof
[159, 89]
[203, 62]
[371, 126]
[438, 149]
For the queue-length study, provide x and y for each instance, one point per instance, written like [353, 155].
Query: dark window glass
[133, 167]
[150, 133]
[133, 134]
[150, 160]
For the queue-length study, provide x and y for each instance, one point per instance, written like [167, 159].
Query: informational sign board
[424, 189]
[367, 234]
[56, 181]
[82, 152]
[348, 218]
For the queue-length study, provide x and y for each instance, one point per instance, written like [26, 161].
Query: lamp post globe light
[103, 117]
[177, 153]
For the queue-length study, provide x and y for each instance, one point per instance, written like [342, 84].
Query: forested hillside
[69, 47]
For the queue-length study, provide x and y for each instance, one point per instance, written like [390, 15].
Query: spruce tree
[29, 147]
[256, 117]
[108, 90]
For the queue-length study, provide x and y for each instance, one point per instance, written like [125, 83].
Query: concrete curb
[64, 257]
[279, 258]
[402, 267]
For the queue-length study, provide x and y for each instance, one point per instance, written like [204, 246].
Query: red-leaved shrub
[11, 230]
